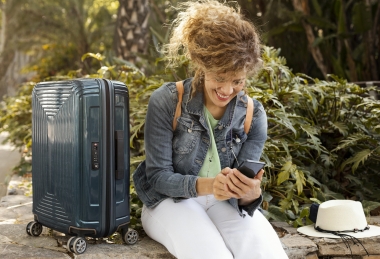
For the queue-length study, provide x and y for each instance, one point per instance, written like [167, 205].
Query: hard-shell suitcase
[80, 161]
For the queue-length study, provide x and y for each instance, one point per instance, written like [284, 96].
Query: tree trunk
[11, 61]
[303, 7]
[371, 38]
[132, 32]
[353, 75]
[2, 29]
[6, 52]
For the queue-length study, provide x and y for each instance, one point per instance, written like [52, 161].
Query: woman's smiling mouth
[221, 97]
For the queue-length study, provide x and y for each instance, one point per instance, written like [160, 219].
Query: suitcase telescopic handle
[119, 156]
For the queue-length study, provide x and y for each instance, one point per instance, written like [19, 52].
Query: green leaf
[267, 196]
[320, 22]
[328, 194]
[340, 126]
[320, 40]
[285, 204]
[315, 200]
[275, 213]
[313, 181]
[305, 212]
[311, 132]
[295, 204]
[137, 159]
[351, 140]
[298, 222]
[278, 30]
[300, 181]
[158, 35]
[328, 160]
[369, 205]
[285, 146]
[282, 177]
[341, 20]
[317, 7]
[285, 172]
[360, 157]
[361, 17]
[290, 214]
[96, 56]
[353, 179]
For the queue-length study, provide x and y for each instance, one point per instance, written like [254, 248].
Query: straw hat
[340, 217]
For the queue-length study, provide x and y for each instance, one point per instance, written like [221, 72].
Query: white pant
[205, 228]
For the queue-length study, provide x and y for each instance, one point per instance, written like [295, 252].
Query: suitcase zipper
[108, 162]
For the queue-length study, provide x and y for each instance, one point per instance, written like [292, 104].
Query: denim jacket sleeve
[158, 145]
[257, 135]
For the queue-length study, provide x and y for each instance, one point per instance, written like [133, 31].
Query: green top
[211, 165]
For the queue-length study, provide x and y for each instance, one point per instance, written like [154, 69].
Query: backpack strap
[249, 114]
[177, 114]
[178, 111]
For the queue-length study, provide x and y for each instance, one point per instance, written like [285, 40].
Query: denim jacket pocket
[186, 135]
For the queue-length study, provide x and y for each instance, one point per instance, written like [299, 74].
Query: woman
[195, 201]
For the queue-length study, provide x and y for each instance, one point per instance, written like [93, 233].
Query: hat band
[346, 237]
[355, 230]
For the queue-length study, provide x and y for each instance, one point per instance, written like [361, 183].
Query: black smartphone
[250, 168]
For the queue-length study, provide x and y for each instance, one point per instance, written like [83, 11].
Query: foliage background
[323, 136]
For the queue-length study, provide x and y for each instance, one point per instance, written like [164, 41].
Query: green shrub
[16, 119]
[323, 140]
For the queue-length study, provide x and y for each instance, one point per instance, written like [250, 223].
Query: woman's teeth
[222, 96]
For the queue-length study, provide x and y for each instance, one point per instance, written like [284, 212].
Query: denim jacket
[173, 159]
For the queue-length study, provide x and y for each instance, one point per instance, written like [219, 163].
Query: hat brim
[310, 231]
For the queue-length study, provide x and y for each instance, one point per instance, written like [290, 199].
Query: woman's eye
[219, 80]
[237, 82]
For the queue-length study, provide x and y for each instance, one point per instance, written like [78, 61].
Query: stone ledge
[16, 212]
[15, 243]
[302, 246]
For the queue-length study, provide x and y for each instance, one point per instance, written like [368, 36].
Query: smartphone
[250, 168]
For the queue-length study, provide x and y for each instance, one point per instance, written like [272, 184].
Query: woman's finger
[259, 175]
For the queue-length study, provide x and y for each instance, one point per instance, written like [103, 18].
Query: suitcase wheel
[69, 244]
[130, 237]
[77, 245]
[34, 228]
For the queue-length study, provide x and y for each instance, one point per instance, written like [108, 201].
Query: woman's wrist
[204, 186]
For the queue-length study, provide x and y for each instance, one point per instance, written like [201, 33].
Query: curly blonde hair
[215, 37]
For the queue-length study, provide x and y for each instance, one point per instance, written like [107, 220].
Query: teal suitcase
[80, 160]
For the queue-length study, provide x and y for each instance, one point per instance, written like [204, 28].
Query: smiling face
[220, 89]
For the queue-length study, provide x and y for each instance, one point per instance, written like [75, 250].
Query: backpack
[180, 89]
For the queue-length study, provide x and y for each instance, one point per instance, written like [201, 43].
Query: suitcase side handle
[119, 156]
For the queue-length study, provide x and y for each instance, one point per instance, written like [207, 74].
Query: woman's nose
[226, 88]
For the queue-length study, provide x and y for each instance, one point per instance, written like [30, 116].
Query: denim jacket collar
[195, 105]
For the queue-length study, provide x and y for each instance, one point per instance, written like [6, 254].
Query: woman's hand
[219, 185]
[230, 183]
[242, 187]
